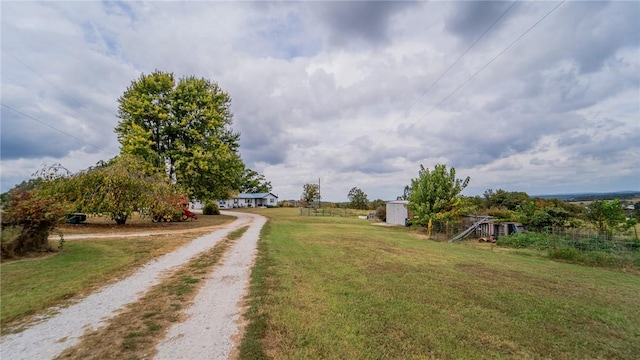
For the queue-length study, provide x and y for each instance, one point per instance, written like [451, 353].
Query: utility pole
[319, 197]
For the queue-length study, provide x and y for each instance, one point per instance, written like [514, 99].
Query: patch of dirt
[155, 232]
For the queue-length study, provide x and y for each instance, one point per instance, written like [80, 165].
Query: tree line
[435, 199]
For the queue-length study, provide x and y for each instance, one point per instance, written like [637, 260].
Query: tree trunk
[120, 219]
[33, 238]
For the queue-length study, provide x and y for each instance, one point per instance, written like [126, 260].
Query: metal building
[397, 212]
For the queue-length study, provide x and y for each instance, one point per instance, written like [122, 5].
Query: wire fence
[580, 245]
[342, 212]
[591, 240]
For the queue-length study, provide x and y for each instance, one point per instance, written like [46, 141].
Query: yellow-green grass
[31, 286]
[342, 288]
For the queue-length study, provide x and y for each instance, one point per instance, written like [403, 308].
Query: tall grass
[328, 287]
[591, 251]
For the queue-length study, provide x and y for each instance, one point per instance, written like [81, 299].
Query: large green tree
[183, 127]
[436, 195]
[253, 182]
[358, 199]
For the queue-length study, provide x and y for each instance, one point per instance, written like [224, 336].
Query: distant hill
[622, 195]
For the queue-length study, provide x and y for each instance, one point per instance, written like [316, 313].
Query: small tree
[358, 199]
[607, 216]
[436, 195]
[310, 193]
[35, 209]
[122, 186]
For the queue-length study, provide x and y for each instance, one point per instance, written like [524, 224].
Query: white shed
[397, 212]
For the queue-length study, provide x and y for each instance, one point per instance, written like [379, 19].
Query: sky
[534, 96]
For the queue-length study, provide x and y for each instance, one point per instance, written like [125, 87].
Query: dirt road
[213, 319]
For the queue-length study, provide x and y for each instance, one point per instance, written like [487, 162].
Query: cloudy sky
[541, 97]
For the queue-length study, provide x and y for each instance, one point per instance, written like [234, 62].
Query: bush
[211, 208]
[29, 217]
[529, 240]
[381, 213]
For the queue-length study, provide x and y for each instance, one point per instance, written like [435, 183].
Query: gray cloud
[595, 37]
[363, 23]
[331, 89]
[469, 19]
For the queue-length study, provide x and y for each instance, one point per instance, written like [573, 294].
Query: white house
[249, 200]
[397, 212]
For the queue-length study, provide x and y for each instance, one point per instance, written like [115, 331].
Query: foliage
[33, 209]
[406, 193]
[541, 216]
[310, 193]
[528, 240]
[211, 208]
[501, 214]
[357, 199]
[252, 182]
[184, 128]
[607, 216]
[381, 213]
[24, 185]
[122, 186]
[507, 199]
[375, 204]
[285, 203]
[578, 247]
[435, 195]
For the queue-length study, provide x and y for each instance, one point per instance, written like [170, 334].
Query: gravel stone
[48, 338]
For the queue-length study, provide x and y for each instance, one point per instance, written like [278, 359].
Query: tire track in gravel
[214, 319]
[48, 338]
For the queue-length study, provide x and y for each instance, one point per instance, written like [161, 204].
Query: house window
[272, 200]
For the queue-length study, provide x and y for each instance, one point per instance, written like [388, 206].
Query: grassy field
[30, 286]
[340, 288]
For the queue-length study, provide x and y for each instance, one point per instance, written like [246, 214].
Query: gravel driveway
[213, 318]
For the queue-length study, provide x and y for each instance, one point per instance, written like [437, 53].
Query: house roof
[254, 196]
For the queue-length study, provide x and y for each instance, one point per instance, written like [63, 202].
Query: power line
[461, 56]
[52, 127]
[485, 66]
[42, 77]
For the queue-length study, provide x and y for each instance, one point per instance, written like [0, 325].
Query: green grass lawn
[32, 285]
[339, 288]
